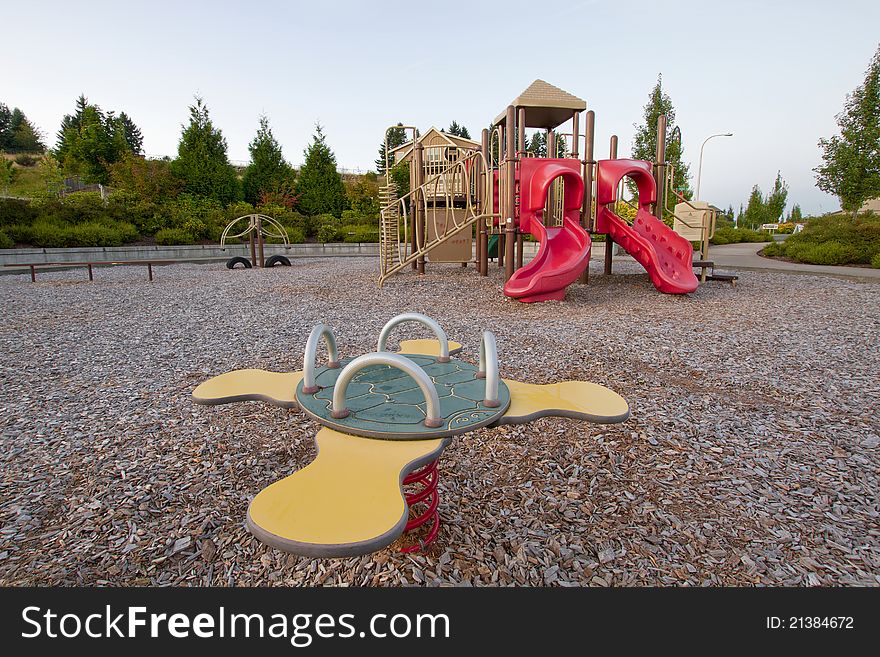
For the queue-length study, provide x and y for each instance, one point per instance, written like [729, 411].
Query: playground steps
[388, 226]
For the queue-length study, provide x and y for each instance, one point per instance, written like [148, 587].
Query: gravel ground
[751, 456]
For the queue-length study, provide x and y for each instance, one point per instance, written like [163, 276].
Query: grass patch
[28, 182]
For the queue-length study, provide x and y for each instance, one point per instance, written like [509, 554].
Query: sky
[774, 73]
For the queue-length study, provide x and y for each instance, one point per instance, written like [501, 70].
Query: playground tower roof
[546, 106]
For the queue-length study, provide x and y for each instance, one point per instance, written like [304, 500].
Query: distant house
[871, 205]
[439, 151]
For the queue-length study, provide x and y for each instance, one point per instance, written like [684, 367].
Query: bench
[712, 275]
[94, 263]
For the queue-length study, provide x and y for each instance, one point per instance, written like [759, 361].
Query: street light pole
[700, 167]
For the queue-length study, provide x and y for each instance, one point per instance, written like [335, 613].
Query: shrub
[145, 215]
[54, 234]
[92, 234]
[833, 240]
[19, 233]
[16, 211]
[25, 160]
[773, 249]
[328, 233]
[294, 236]
[173, 236]
[6, 241]
[360, 233]
[875, 261]
[200, 218]
[48, 234]
[76, 208]
[289, 218]
[239, 209]
[738, 235]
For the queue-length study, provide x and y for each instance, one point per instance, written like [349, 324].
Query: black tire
[238, 260]
[277, 260]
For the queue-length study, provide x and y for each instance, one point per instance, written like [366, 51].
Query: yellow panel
[347, 501]
[278, 388]
[426, 347]
[578, 399]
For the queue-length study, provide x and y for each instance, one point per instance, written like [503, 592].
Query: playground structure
[500, 193]
[258, 227]
[387, 419]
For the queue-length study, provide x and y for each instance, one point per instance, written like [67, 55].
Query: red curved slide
[665, 255]
[565, 250]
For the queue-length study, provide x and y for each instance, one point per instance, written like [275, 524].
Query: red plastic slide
[565, 250]
[665, 255]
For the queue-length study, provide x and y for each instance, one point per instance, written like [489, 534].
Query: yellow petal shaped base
[347, 502]
[276, 388]
[426, 347]
[575, 399]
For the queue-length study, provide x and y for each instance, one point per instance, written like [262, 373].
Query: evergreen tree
[395, 137]
[458, 130]
[27, 138]
[202, 165]
[92, 146]
[796, 216]
[645, 140]
[17, 134]
[5, 128]
[69, 125]
[319, 184]
[91, 140]
[268, 171]
[851, 160]
[131, 133]
[538, 145]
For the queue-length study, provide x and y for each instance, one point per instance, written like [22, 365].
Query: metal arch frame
[489, 369]
[405, 365]
[311, 355]
[252, 225]
[421, 319]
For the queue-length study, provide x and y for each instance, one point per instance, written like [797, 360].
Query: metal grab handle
[396, 361]
[311, 355]
[421, 319]
[489, 369]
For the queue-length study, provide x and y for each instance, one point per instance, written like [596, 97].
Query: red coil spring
[426, 477]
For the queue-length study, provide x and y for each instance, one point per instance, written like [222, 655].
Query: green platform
[386, 403]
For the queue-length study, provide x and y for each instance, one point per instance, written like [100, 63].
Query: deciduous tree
[850, 166]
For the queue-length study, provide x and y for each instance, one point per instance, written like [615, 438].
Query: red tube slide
[564, 251]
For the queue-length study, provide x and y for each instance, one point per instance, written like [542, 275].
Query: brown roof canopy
[546, 106]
